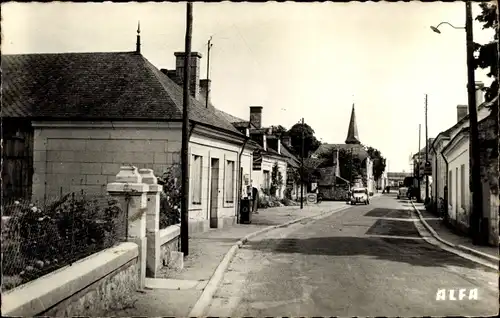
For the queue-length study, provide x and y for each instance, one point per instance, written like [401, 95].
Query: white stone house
[268, 152]
[451, 168]
[93, 112]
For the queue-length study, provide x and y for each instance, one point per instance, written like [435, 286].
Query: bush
[170, 198]
[266, 201]
[37, 241]
[289, 202]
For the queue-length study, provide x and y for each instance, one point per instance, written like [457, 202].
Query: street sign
[312, 197]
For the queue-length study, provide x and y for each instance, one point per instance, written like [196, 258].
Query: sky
[297, 60]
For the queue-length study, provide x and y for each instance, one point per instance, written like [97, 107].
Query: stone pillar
[153, 258]
[130, 192]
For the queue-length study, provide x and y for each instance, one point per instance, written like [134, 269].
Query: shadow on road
[414, 252]
[389, 213]
[393, 228]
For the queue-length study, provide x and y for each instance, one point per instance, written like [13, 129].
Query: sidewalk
[176, 294]
[448, 235]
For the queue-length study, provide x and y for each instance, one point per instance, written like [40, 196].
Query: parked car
[359, 195]
[402, 192]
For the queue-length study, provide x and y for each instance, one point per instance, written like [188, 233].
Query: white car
[359, 195]
[402, 192]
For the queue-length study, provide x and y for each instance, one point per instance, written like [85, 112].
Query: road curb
[484, 256]
[206, 296]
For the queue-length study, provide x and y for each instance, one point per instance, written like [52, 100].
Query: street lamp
[436, 28]
[478, 227]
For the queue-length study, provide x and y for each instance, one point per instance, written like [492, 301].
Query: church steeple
[352, 132]
[138, 42]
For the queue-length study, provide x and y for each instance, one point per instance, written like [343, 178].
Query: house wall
[212, 149]
[439, 175]
[74, 157]
[457, 157]
[488, 141]
[267, 165]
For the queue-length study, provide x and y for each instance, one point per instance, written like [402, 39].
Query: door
[214, 192]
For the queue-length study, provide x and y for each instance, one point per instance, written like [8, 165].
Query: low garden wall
[169, 242]
[82, 255]
[100, 282]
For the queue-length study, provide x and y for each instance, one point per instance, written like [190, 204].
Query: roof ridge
[67, 53]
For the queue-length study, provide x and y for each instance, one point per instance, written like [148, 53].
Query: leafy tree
[379, 162]
[310, 141]
[487, 54]
[279, 130]
[276, 179]
[350, 165]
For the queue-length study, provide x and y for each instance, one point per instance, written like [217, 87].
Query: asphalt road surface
[363, 261]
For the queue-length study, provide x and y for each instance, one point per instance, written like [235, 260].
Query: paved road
[363, 261]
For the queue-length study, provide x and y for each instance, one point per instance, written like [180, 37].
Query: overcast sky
[294, 59]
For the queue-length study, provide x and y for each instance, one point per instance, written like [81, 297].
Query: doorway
[214, 192]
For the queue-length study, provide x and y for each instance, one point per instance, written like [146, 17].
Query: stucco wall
[213, 149]
[439, 174]
[458, 156]
[71, 157]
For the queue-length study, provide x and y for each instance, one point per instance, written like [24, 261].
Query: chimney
[462, 111]
[479, 93]
[336, 165]
[287, 141]
[194, 84]
[205, 85]
[256, 116]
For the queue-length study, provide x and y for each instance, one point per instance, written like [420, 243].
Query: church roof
[352, 132]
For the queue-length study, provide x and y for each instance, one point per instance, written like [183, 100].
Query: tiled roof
[230, 118]
[95, 86]
[447, 133]
[313, 163]
[292, 159]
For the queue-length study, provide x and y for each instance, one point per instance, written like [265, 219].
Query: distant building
[329, 172]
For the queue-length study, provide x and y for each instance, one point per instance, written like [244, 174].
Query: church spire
[352, 132]
[138, 43]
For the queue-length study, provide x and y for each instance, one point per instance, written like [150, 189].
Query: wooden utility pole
[185, 132]
[208, 71]
[476, 217]
[302, 168]
[418, 164]
[426, 155]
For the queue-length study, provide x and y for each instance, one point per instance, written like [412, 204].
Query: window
[196, 178]
[229, 182]
[450, 186]
[267, 180]
[462, 186]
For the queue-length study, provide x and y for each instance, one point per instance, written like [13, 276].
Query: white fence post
[131, 192]
[153, 258]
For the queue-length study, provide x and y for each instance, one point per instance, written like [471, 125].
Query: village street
[367, 260]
